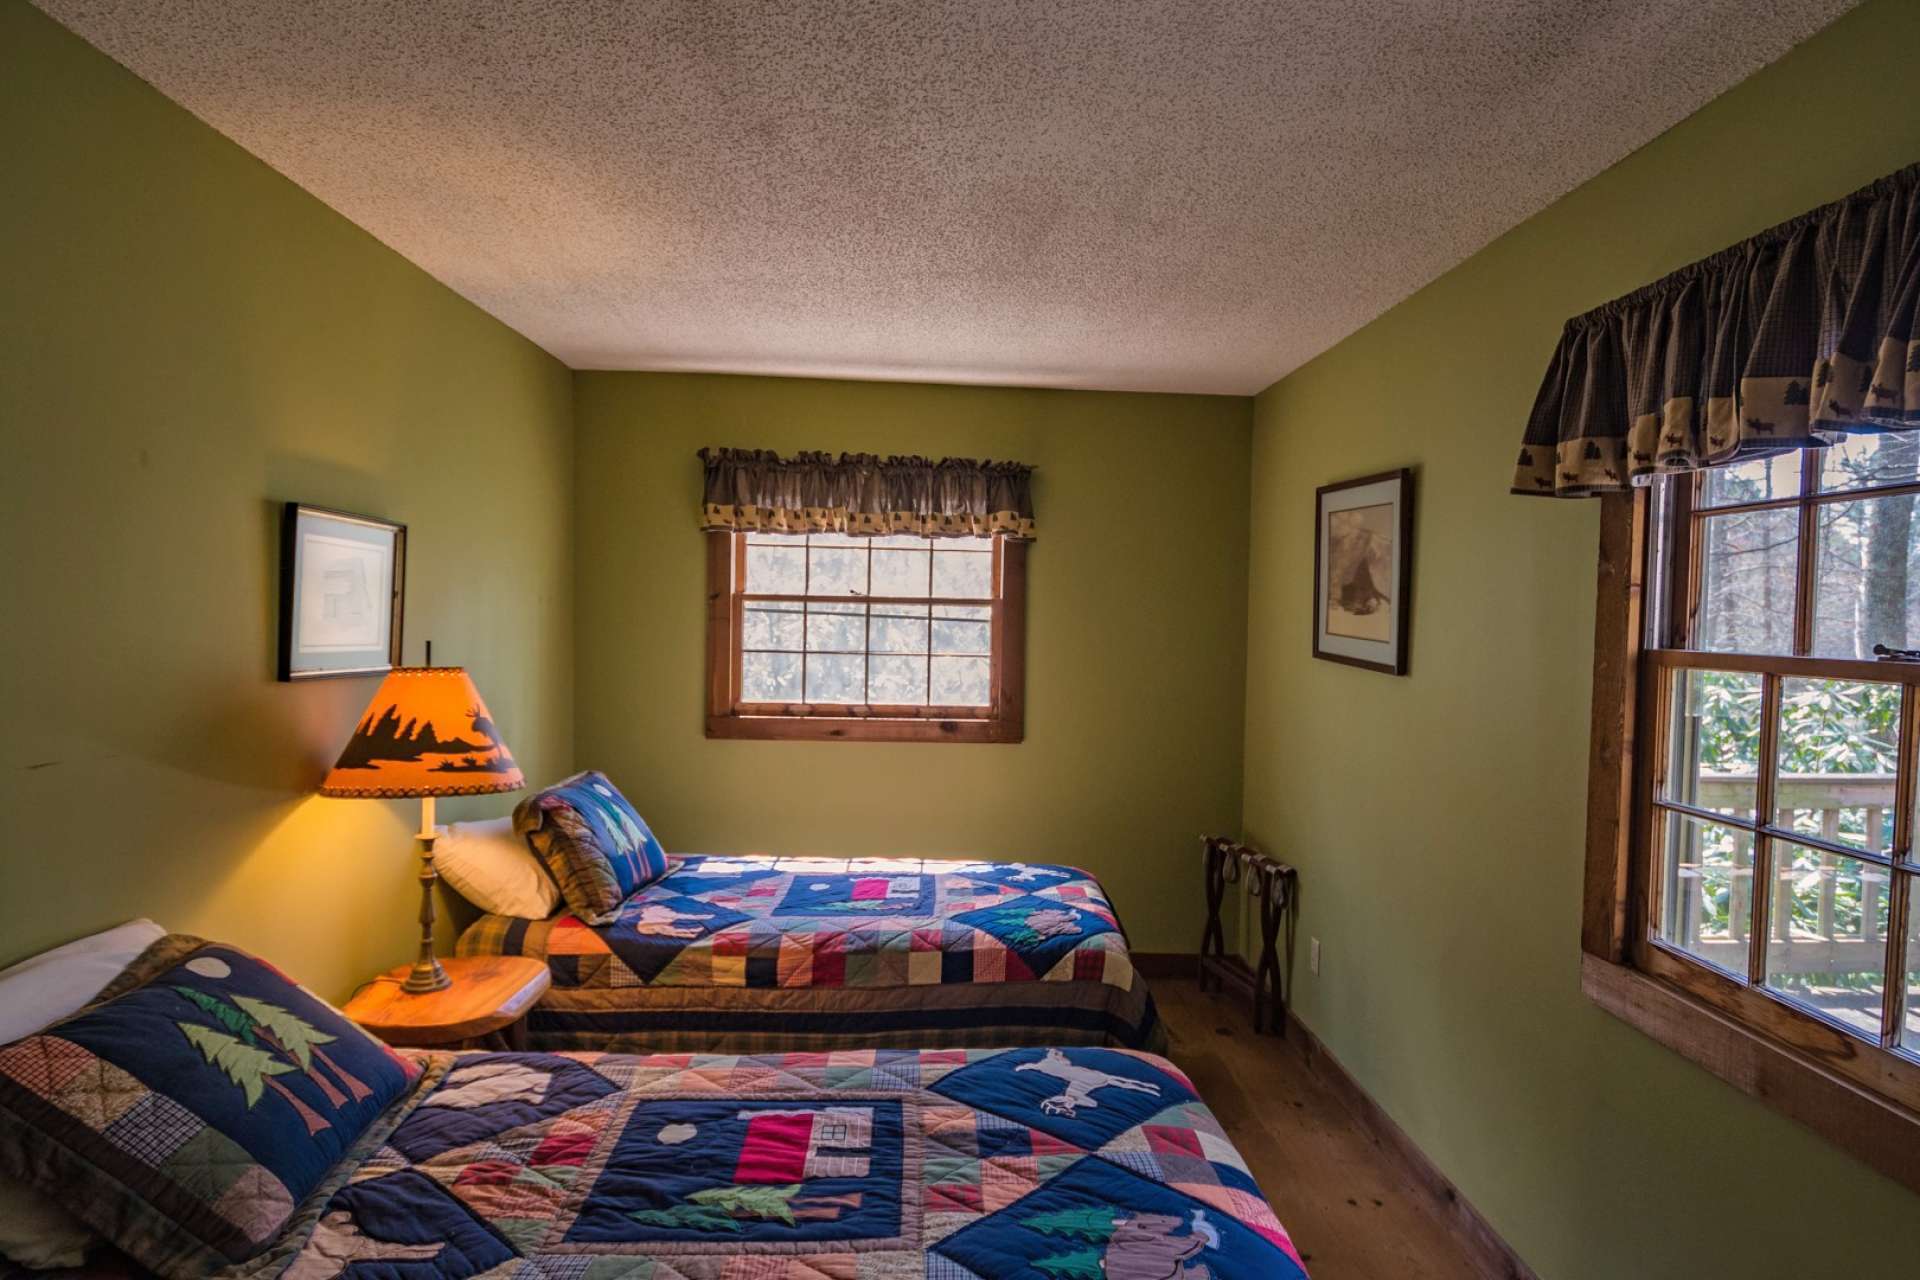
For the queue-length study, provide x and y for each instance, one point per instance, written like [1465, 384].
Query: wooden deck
[1351, 1211]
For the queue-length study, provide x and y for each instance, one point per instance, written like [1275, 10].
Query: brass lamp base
[426, 974]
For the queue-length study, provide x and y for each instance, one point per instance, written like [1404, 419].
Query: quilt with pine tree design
[1079, 1163]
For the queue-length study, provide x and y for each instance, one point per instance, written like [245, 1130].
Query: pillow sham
[594, 843]
[186, 1113]
[34, 1231]
[490, 865]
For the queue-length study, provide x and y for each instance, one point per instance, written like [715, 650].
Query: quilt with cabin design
[1029, 1164]
[765, 954]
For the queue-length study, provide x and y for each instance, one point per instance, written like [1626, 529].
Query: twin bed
[760, 954]
[746, 1069]
[1076, 1164]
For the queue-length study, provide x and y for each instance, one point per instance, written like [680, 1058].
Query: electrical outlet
[1313, 955]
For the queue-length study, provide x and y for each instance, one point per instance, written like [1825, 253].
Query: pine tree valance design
[861, 494]
[1794, 339]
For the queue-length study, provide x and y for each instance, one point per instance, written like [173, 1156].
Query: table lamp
[426, 733]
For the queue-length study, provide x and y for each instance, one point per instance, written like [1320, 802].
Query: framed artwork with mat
[342, 593]
[1363, 571]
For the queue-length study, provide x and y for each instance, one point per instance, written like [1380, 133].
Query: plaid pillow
[186, 1113]
[593, 842]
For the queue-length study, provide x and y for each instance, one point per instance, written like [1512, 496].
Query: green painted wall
[1438, 819]
[1135, 644]
[185, 338]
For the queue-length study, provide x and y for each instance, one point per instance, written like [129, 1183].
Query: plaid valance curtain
[1794, 339]
[859, 493]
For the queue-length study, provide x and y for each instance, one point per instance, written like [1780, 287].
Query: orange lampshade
[426, 733]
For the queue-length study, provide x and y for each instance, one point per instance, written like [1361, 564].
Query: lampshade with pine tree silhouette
[426, 733]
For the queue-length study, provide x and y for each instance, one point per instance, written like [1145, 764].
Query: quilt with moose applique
[765, 954]
[1079, 1163]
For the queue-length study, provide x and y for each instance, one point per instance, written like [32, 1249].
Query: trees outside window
[899, 638]
[1774, 818]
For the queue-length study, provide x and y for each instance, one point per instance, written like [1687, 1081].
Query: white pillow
[34, 1231]
[47, 987]
[490, 865]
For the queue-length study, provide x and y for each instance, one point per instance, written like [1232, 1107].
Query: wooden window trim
[1004, 720]
[1859, 1096]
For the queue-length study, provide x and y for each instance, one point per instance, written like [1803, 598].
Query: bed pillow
[594, 843]
[34, 1231]
[187, 1112]
[57, 984]
[490, 865]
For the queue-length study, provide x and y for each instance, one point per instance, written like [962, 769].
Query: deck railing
[1829, 943]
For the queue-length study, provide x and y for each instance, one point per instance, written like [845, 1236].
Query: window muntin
[1779, 818]
[903, 629]
[867, 622]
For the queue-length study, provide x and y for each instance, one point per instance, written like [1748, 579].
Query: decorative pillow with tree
[188, 1111]
[594, 843]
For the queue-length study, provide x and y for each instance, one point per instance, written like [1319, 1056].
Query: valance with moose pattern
[1794, 339]
[858, 493]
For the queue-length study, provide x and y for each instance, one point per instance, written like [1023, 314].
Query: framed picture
[1363, 571]
[343, 585]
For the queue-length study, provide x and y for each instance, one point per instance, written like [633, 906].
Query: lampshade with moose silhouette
[426, 733]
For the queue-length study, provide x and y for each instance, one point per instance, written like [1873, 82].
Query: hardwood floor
[1352, 1214]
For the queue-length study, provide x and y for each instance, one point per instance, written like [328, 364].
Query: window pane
[837, 540]
[1860, 461]
[836, 678]
[1828, 945]
[962, 682]
[899, 573]
[898, 628]
[1747, 582]
[836, 628]
[770, 626]
[1756, 481]
[1910, 1026]
[1713, 757]
[965, 575]
[1660, 630]
[962, 629]
[1839, 746]
[837, 571]
[776, 570]
[1864, 588]
[770, 677]
[898, 680]
[1706, 899]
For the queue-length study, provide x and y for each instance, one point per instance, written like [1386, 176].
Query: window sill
[1873, 1129]
[860, 729]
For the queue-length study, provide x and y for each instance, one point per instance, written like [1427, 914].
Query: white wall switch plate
[1313, 955]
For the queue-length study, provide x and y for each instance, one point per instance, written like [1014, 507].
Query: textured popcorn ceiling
[1091, 193]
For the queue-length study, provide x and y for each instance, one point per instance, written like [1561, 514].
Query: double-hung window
[878, 638]
[1774, 805]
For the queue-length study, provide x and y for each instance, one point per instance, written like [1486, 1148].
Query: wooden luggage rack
[1272, 885]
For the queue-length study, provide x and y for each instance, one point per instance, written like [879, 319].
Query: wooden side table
[485, 1008]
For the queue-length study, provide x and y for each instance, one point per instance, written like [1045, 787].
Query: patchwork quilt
[764, 954]
[1029, 1164]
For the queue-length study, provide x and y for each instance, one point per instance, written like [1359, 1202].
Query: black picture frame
[1363, 594]
[373, 572]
